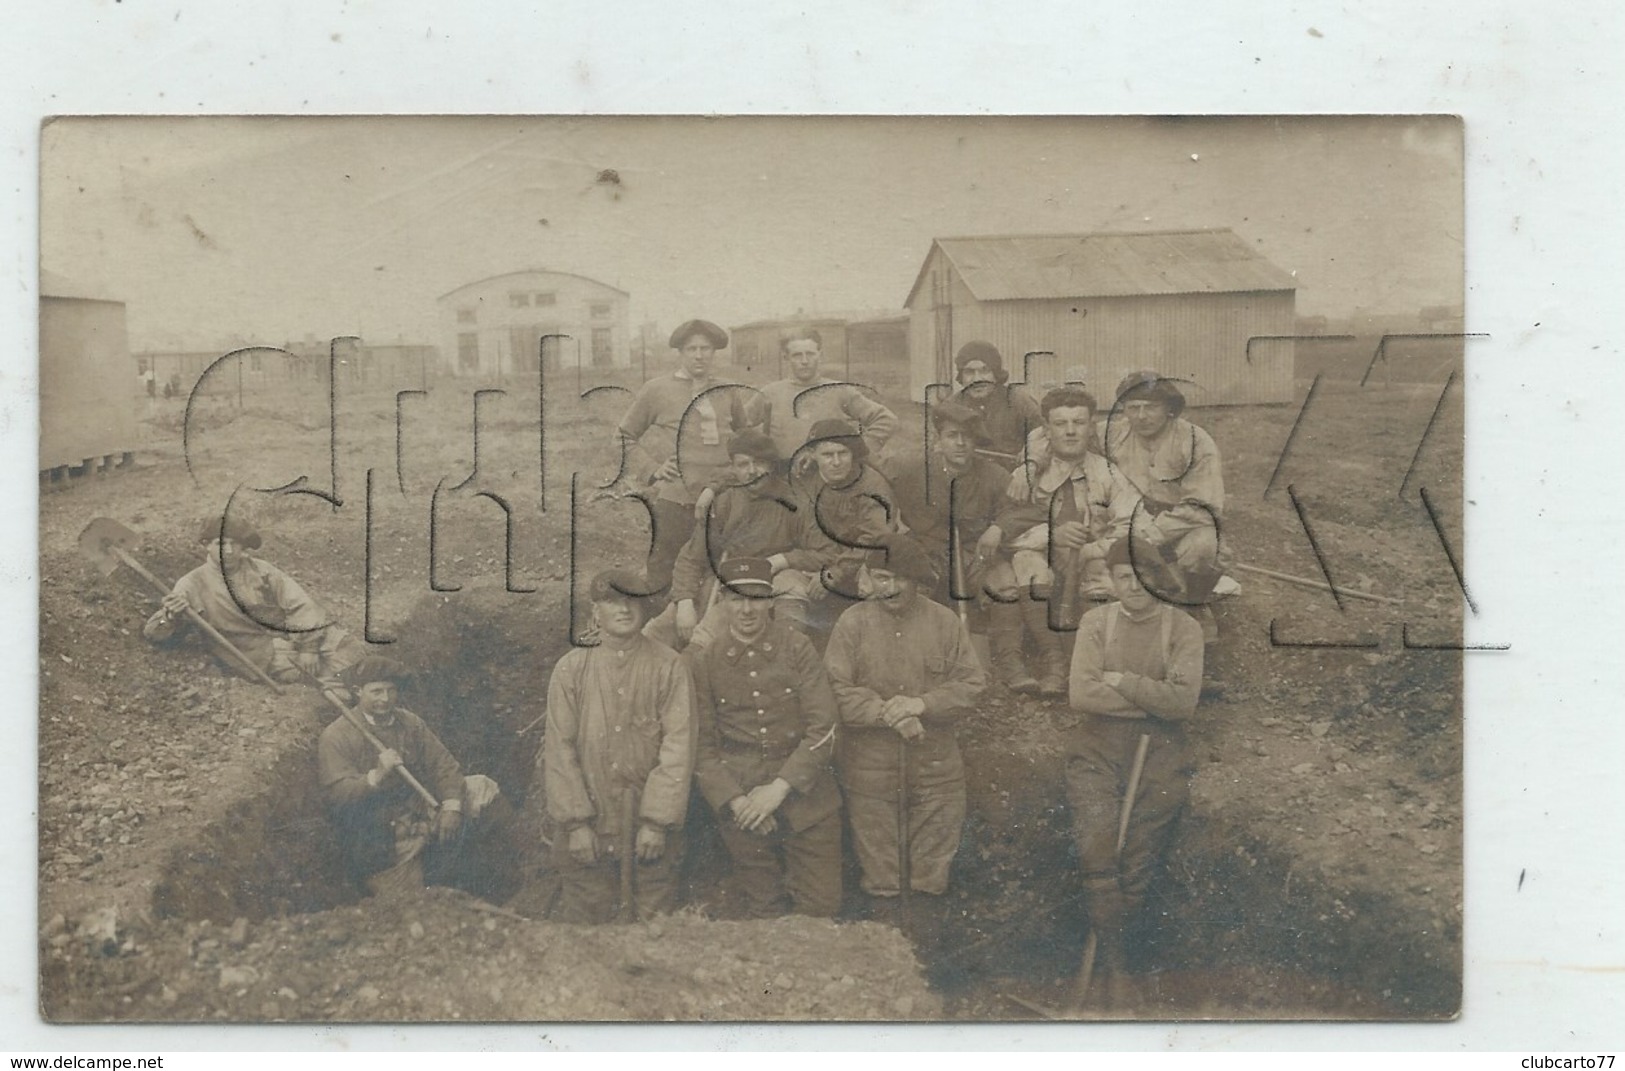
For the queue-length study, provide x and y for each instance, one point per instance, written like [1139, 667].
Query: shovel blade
[100, 539]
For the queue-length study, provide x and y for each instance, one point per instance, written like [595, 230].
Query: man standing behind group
[767, 724]
[617, 758]
[788, 408]
[674, 437]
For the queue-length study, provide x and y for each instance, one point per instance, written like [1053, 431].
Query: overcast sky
[274, 229]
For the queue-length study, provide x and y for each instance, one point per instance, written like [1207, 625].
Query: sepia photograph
[744, 569]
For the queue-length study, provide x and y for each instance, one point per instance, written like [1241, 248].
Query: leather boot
[1004, 643]
[1053, 649]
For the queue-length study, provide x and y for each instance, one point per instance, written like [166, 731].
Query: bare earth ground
[187, 871]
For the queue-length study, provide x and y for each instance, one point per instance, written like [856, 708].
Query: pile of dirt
[438, 955]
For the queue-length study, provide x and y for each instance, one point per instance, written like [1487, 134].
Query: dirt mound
[438, 956]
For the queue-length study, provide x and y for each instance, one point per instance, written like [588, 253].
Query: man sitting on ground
[260, 609]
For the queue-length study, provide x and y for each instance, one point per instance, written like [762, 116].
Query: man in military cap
[1136, 673]
[383, 823]
[788, 408]
[1008, 413]
[953, 497]
[1174, 469]
[617, 760]
[262, 610]
[674, 440]
[905, 674]
[767, 725]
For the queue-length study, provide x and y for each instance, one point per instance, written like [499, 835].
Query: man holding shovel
[617, 762]
[257, 608]
[380, 766]
[1136, 674]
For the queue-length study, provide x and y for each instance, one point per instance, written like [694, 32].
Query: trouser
[801, 866]
[1190, 562]
[480, 859]
[673, 523]
[936, 810]
[274, 654]
[1098, 768]
[590, 893]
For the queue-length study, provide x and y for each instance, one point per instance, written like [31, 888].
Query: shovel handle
[361, 727]
[197, 619]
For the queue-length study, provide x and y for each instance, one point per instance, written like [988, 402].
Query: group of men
[798, 647]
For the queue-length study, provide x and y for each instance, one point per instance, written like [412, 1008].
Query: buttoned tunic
[766, 710]
[618, 720]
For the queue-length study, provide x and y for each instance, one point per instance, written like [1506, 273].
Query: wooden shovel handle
[197, 619]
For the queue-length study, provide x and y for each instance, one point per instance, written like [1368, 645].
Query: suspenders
[1167, 632]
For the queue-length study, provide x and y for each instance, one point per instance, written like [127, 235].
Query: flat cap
[832, 430]
[949, 412]
[374, 668]
[754, 444]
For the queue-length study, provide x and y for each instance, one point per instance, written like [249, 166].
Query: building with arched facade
[493, 328]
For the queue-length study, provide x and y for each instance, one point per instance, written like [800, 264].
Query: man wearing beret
[262, 610]
[1008, 413]
[1136, 672]
[904, 673]
[957, 493]
[767, 723]
[1174, 469]
[755, 516]
[674, 440]
[851, 503]
[788, 409]
[383, 822]
[617, 760]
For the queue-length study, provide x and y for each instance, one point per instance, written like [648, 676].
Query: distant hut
[1201, 306]
[493, 327]
[88, 393]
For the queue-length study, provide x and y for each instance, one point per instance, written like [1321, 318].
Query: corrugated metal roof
[1006, 267]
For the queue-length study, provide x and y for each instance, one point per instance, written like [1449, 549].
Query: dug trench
[252, 915]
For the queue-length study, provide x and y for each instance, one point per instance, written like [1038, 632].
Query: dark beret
[1149, 386]
[902, 554]
[754, 444]
[612, 585]
[985, 352]
[238, 531]
[947, 412]
[832, 430]
[717, 336]
[374, 668]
